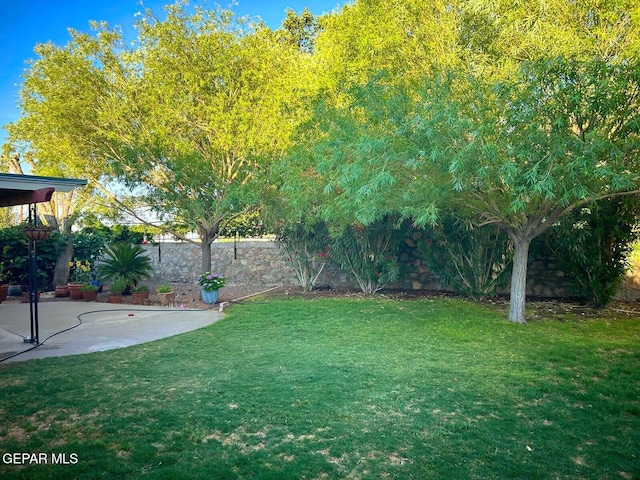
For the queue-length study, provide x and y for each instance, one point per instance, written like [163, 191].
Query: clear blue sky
[25, 23]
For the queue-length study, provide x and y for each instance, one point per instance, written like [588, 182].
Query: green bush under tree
[369, 253]
[592, 246]
[473, 260]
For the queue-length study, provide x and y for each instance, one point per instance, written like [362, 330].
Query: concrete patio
[100, 326]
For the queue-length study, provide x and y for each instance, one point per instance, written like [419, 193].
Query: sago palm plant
[126, 261]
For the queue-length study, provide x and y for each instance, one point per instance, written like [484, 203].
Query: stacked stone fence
[259, 263]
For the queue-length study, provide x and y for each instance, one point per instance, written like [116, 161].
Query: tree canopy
[516, 119]
[505, 113]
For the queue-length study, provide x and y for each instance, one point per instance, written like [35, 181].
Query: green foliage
[124, 260]
[305, 247]
[301, 30]
[88, 245]
[164, 288]
[119, 285]
[15, 256]
[592, 246]
[7, 217]
[245, 225]
[475, 260]
[119, 233]
[368, 253]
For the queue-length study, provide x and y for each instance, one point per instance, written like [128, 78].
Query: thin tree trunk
[517, 301]
[206, 255]
[207, 236]
[61, 270]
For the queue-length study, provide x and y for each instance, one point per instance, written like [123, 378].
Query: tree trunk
[61, 271]
[517, 301]
[207, 236]
[206, 255]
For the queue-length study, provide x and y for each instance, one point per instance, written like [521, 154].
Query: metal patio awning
[26, 189]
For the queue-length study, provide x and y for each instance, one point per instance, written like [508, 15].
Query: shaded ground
[537, 308]
[186, 294]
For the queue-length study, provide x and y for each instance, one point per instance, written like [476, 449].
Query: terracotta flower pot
[75, 291]
[90, 295]
[62, 291]
[115, 298]
[4, 288]
[139, 297]
[167, 298]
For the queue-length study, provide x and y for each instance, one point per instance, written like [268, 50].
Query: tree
[505, 128]
[60, 132]
[561, 134]
[186, 118]
[203, 117]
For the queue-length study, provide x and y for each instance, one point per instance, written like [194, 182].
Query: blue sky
[25, 23]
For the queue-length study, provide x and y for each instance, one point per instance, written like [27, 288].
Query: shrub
[368, 253]
[124, 260]
[474, 261]
[592, 246]
[304, 247]
[14, 254]
[211, 281]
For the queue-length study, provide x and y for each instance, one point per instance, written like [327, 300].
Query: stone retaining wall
[247, 262]
[259, 263]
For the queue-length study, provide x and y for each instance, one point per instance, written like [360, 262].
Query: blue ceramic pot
[210, 297]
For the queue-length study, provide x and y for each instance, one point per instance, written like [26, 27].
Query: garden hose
[94, 311]
[222, 304]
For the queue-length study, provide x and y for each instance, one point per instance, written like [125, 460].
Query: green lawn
[340, 388]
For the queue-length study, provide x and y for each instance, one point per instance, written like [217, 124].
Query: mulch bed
[188, 296]
[539, 308]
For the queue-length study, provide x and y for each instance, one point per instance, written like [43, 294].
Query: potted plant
[89, 292]
[140, 293]
[116, 288]
[166, 294]
[210, 285]
[62, 291]
[37, 232]
[80, 273]
[124, 260]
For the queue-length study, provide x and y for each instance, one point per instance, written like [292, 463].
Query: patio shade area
[27, 189]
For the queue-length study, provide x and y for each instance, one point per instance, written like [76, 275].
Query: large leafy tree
[186, 117]
[203, 116]
[558, 135]
[59, 133]
[516, 118]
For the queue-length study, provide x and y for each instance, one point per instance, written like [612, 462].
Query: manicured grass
[340, 388]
